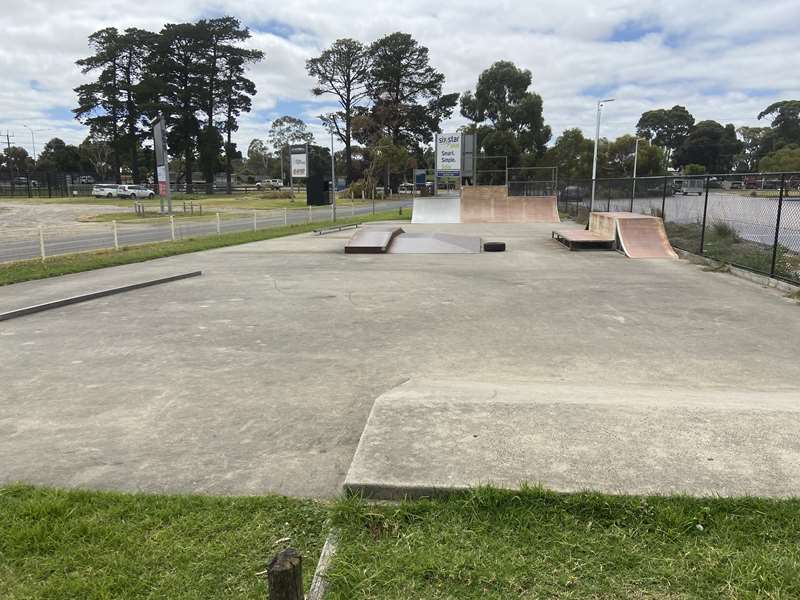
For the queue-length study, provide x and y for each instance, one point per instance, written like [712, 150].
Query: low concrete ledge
[29, 310]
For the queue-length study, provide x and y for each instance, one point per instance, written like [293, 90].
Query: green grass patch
[489, 544]
[724, 244]
[485, 544]
[27, 270]
[74, 544]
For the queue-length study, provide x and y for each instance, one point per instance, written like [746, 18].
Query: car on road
[269, 184]
[24, 181]
[134, 192]
[104, 190]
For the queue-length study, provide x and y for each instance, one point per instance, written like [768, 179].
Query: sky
[723, 59]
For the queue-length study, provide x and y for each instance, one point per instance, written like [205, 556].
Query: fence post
[777, 228]
[309, 213]
[664, 198]
[255, 220]
[116, 239]
[41, 242]
[633, 192]
[219, 225]
[172, 226]
[285, 217]
[352, 209]
[705, 212]
[285, 576]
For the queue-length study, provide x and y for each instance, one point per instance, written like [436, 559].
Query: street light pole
[596, 140]
[33, 141]
[333, 179]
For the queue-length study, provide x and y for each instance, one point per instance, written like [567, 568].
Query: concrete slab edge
[762, 280]
[28, 310]
[319, 583]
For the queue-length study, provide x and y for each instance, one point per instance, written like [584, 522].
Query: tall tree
[756, 142]
[100, 103]
[666, 127]
[785, 121]
[236, 92]
[343, 71]
[709, 144]
[406, 91]
[225, 91]
[175, 88]
[134, 45]
[97, 152]
[572, 154]
[59, 156]
[502, 98]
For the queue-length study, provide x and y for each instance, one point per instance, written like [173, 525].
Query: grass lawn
[486, 544]
[254, 200]
[26, 270]
[58, 544]
[534, 544]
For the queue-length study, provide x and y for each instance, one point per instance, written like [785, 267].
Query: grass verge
[723, 243]
[26, 270]
[490, 544]
[485, 544]
[73, 544]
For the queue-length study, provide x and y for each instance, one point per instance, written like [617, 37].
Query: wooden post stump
[285, 576]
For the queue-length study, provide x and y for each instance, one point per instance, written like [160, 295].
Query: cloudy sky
[722, 59]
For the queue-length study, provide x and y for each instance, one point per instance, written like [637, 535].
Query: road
[65, 240]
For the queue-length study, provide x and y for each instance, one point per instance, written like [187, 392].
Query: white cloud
[722, 59]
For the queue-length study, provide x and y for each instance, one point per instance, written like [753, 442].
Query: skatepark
[290, 366]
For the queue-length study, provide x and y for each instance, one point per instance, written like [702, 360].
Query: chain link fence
[751, 221]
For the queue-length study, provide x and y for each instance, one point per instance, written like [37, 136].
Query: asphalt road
[65, 241]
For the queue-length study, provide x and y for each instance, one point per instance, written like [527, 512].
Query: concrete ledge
[29, 310]
[428, 438]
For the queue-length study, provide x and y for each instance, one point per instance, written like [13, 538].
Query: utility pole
[33, 141]
[8, 145]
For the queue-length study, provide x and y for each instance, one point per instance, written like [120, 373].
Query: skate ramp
[492, 204]
[644, 238]
[371, 240]
[435, 243]
[436, 209]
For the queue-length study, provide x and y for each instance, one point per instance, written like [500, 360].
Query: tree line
[390, 103]
[194, 74]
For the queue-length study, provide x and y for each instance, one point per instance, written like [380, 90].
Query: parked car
[104, 190]
[269, 184]
[134, 192]
[24, 181]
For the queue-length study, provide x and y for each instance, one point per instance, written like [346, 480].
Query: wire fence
[23, 243]
[750, 221]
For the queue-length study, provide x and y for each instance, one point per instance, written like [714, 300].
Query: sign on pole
[448, 154]
[162, 162]
[299, 160]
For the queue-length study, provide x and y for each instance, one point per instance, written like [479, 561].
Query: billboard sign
[448, 154]
[299, 162]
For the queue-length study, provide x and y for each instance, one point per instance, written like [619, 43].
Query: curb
[29, 310]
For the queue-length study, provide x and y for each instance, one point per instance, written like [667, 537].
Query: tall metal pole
[333, 179]
[33, 141]
[596, 141]
[635, 161]
[777, 228]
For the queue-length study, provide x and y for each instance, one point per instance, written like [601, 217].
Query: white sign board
[448, 154]
[299, 165]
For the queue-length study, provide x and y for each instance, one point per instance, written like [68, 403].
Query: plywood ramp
[644, 238]
[492, 204]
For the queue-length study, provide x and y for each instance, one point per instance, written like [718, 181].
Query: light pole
[596, 140]
[333, 179]
[635, 162]
[33, 141]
